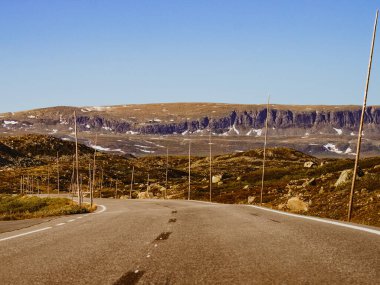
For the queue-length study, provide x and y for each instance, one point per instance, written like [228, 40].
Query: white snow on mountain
[339, 131]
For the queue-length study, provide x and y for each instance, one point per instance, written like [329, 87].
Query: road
[202, 243]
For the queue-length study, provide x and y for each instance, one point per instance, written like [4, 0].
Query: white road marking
[372, 231]
[104, 208]
[336, 223]
[60, 224]
[79, 217]
[69, 221]
[24, 234]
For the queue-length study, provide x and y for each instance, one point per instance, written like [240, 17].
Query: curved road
[188, 242]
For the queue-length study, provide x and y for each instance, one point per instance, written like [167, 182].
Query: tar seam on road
[27, 233]
[372, 231]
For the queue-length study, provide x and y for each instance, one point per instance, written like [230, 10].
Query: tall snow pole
[89, 179]
[130, 190]
[147, 186]
[264, 154]
[210, 165]
[58, 172]
[167, 169]
[350, 204]
[93, 174]
[188, 192]
[48, 181]
[77, 160]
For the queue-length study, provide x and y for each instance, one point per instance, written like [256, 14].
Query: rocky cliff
[166, 119]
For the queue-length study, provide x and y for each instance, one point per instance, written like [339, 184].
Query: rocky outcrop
[243, 120]
[238, 119]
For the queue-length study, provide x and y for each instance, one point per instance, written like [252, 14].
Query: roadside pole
[167, 169]
[58, 172]
[188, 193]
[130, 190]
[350, 204]
[76, 160]
[264, 154]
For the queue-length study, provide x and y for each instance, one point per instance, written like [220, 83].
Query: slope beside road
[188, 242]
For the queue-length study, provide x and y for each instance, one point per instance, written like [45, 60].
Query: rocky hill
[294, 181]
[317, 130]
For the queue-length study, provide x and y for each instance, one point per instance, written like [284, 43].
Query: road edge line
[336, 223]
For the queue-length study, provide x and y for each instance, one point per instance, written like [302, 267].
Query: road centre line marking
[24, 234]
[69, 221]
[60, 224]
[336, 223]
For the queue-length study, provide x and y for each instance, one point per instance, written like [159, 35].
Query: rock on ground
[295, 204]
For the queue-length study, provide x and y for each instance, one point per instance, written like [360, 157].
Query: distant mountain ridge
[198, 118]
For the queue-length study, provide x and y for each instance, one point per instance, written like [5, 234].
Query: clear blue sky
[96, 52]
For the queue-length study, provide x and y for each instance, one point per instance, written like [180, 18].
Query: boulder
[251, 199]
[309, 164]
[216, 178]
[144, 195]
[295, 204]
[346, 176]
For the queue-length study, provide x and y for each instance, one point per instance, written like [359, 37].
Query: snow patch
[332, 148]
[142, 146]
[146, 151]
[132, 133]
[339, 131]
[100, 148]
[235, 130]
[10, 122]
[258, 132]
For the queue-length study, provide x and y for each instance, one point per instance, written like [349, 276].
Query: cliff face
[165, 119]
[241, 120]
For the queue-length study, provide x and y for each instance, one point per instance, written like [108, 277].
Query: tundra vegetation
[16, 207]
[294, 181]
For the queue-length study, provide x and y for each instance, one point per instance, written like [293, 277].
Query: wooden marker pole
[188, 192]
[58, 172]
[130, 190]
[93, 174]
[77, 160]
[210, 166]
[350, 204]
[167, 170]
[264, 154]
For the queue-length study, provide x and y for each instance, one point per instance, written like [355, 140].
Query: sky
[92, 53]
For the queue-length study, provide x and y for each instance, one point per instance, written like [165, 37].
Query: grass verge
[27, 207]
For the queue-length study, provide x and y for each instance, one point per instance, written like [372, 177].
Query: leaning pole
[350, 204]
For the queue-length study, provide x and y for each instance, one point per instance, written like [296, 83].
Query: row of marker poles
[210, 151]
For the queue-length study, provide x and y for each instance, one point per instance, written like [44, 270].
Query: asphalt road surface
[188, 242]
